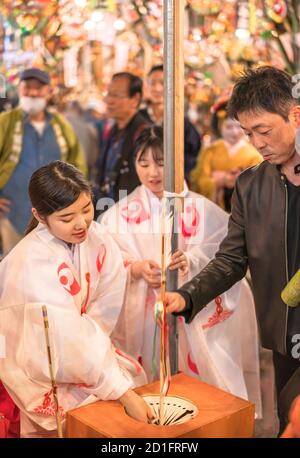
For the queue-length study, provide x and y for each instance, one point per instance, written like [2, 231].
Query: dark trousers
[287, 370]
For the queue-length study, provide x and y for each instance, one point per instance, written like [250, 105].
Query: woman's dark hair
[263, 89]
[150, 138]
[156, 68]
[54, 187]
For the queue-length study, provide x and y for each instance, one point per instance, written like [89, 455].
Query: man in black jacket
[264, 227]
[116, 170]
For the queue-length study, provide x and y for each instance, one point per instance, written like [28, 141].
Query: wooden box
[220, 415]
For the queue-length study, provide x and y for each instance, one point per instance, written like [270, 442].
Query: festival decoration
[221, 38]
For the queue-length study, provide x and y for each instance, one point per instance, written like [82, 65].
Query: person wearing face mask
[30, 137]
[220, 164]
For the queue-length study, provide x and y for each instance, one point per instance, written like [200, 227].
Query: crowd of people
[61, 172]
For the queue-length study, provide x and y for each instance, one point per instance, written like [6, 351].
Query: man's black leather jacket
[257, 237]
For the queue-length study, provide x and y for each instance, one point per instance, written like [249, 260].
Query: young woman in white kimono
[66, 264]
[220, 346]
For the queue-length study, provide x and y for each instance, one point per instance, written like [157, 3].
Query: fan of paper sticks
[176, 410]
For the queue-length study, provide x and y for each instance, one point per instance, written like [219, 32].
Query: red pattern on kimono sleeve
[189, 222]
[191, 364]
[101, 257]
[67, 279]
[48, 406]
[219, 316]
[135, 212]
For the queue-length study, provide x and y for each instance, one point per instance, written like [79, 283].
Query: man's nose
[258, 142]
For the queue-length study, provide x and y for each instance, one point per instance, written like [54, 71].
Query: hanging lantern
[276, 10]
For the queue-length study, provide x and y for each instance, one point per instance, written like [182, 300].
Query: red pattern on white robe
[67, 279]
[101, 257]
[189, 221]
[135, 212]
[191, 364]
[219, 316]
[48, 406]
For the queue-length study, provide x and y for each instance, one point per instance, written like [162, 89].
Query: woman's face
[72, 223]
[150, 172]
[231, 131]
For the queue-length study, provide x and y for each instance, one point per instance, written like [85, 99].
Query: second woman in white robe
[220, 346]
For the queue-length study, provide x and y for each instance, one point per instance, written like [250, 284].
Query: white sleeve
[109, 296]
[215, 222]
[82, 352]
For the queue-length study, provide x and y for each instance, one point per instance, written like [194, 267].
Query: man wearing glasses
[116, 170]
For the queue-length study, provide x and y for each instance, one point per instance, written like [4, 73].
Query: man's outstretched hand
[174, 302]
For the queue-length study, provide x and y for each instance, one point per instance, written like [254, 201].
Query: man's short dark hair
[135, 83]
[262, 89]
[156, 68]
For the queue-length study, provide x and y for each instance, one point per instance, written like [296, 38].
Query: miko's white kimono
[220, 346]
[83, 289]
